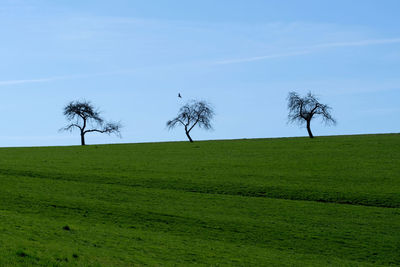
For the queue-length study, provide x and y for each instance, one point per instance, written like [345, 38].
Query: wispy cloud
[359, 43]
[66, 77]
[310, 49]
[249, 59]
[294, 52]
[14, 82]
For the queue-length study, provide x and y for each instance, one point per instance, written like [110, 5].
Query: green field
[288, 201]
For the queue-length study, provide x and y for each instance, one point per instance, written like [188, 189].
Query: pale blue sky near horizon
[132, 58]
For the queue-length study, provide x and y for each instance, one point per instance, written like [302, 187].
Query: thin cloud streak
[310, 50]
[66, 77]
[250, 59]
[359, 43]
[301, 51]
[13, 82]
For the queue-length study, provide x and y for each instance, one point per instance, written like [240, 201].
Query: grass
[292, 201]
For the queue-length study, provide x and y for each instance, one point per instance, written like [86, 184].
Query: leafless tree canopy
[85, 117]
[194, 113]
[303, 109]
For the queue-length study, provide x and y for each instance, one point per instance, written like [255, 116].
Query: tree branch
[70, 127]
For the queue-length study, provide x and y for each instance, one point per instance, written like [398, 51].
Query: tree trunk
[188, 136]
[83, 139]
[309, 129]
[83, 132]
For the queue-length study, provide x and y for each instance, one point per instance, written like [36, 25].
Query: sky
[132, 58]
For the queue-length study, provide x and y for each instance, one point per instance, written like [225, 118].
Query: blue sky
[131, 58]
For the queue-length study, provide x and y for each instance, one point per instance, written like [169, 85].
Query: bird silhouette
[179, 95]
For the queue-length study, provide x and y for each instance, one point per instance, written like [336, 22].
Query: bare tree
[85, 117]
[304, 109]
[193, 113]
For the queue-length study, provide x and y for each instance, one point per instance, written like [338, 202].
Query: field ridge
[278, 192]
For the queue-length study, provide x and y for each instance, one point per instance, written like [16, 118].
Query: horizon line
[206, 140]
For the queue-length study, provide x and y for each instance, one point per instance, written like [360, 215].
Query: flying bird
[179, 95]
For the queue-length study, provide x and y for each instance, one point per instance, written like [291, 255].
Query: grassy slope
[266, 201]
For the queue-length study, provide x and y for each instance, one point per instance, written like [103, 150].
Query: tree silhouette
[85, 117]
[303, 109]
[194, 113]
